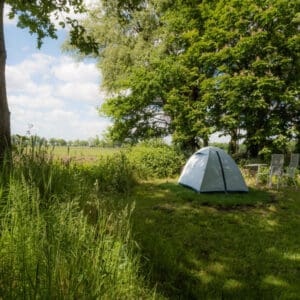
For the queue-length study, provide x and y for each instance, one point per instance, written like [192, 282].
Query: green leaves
[204, 67]
[38, 16]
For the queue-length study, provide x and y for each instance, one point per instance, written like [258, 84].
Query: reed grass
[59, 239]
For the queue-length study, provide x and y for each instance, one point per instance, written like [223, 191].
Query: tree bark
[205, 141]
[233, 143]
[5, 138]
[189, 146]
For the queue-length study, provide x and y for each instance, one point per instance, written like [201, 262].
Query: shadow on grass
[219, 246]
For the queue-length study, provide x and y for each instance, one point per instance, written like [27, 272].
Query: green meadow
[218, 246]
[82, 152]
[122, 228]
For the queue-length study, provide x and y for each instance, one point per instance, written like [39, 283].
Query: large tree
[192, 67]
[145, 71]
[38, 17]
[255, 58]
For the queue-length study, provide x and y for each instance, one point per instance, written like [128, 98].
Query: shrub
[113, 173]
[155, 160]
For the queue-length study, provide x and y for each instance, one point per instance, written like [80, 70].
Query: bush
[114, 173]
[155, 160]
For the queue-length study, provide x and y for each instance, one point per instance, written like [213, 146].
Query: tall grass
[58, 240]
[113, 173]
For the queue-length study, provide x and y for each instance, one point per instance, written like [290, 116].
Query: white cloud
[16, 80]
[37, 63]
[69, 70]
[6, 20]
[56, 95]
[58, 123]
[36, 102]
[21, 76]
[86, 91]
[29, 77]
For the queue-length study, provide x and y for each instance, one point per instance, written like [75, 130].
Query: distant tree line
[192, 68]
[53, 142]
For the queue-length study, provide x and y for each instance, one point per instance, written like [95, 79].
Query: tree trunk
[252, 151]
[189, 146]
[205, 141]
[5, 139]
[233, 144]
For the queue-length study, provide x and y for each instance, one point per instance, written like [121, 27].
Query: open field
[81, 154]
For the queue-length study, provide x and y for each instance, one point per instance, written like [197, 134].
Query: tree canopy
[39, 17]
[191, 68]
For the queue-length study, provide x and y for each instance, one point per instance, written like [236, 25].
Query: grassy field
[86, 152]
[68, 231]
[218, 246]
[87, 155]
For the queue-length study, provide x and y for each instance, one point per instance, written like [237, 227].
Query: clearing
[218, 246]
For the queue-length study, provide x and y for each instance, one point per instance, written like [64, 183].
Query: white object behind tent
[212, 170]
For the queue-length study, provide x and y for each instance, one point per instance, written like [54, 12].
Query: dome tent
[212, 170]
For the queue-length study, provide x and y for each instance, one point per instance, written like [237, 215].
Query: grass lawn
[218, 246]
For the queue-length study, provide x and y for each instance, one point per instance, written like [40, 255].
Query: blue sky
[49, 91]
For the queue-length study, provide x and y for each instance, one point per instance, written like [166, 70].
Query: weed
[59, 239]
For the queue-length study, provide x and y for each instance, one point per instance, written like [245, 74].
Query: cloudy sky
[49, 90]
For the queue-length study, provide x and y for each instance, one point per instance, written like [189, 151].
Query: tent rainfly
[212, 170]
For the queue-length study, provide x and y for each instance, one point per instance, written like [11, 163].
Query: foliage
[37, 17]
[255, 65]
[28, 140]
[155, 159]
[113, 173]
[191, 69]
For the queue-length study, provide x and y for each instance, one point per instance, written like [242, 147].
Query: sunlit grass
[82, 152]
[276, 281]
[219, 246]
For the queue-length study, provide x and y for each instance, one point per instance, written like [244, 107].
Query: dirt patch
[241, 207]
[167, 208]
[245, 208]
